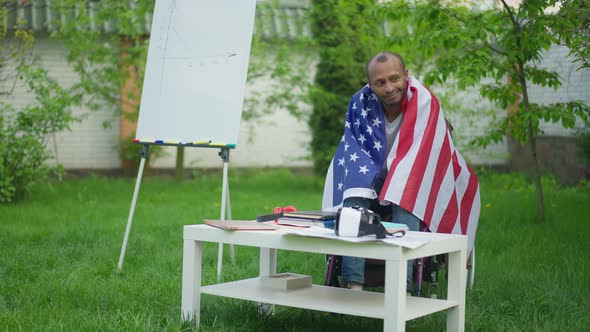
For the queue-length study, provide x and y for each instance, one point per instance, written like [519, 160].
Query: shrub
[24, 133]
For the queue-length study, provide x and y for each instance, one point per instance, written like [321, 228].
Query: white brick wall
[87, 144]
[575, 86]
[277, 140]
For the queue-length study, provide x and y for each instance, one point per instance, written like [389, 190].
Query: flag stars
[341, 162]
[363, 169]
[346, 146]
[354, 105]
[369, 130]
[373, 96]
[362, 97]
[347, 124]
[357, 123]
[377, 122]
[353, 157]
[366, 152]
[362, 139]
[364, 112]
[340, 185]
[378, 146]
[345, 171]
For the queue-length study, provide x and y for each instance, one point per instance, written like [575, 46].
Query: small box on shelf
[286, 281]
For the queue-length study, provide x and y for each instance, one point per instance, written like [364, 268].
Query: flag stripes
[426, 174]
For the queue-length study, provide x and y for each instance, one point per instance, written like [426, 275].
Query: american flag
[426, 174]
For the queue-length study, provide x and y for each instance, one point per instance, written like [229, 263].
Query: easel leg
[232, 251]
[224, 154]
[144, 152]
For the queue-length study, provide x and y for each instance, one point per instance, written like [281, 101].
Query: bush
[24, 133]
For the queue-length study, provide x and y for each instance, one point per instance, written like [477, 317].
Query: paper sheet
[410, 240]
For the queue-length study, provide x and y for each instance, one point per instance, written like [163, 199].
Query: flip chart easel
[225, 201]
[194, 84]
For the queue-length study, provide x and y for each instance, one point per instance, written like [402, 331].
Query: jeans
[353, 268]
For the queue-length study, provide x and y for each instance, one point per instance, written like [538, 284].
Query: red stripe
[449, 218]
[441, 167]
[456, 165]
[467, 201]
[414, 182]
[406, 136]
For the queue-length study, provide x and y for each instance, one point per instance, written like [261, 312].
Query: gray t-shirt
[391, 130]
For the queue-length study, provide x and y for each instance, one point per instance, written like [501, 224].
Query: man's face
[388, 80]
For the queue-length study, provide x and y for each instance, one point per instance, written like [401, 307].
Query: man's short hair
[383, 57]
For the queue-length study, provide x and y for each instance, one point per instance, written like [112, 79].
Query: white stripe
[426, 185]
[359, 192]
[400, 178]
[457, 226]
[423, 112]
[473, 220]
[443, 198]
[462, 182]
[327, 200]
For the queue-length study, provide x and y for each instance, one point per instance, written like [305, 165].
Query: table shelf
[324, 298]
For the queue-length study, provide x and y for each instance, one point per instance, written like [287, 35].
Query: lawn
[60, 247]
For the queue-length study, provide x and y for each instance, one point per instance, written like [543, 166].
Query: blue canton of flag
[361, 153]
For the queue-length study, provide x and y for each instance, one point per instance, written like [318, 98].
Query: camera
[356, 221]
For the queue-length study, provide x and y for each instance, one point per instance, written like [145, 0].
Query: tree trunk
[179, 163]
[537, 173]
[533, 145]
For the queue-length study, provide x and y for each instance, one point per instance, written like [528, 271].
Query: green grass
[59, 251]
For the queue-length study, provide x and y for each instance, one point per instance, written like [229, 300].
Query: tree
[573, 29]
[498, 50]
[346, 34]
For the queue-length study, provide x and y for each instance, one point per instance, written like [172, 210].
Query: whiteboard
[196, 70]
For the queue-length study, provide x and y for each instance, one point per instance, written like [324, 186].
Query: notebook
[241, 225]
[311, 215]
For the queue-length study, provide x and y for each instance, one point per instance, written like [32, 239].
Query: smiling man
[387, 76]
[396, 155]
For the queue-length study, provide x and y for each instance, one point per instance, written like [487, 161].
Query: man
[397, 153]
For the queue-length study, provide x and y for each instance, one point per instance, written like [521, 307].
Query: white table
[393, 305]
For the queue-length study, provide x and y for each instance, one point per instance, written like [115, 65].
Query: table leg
[268, 266]
[191, 280]
[395, 295]
[457, 282]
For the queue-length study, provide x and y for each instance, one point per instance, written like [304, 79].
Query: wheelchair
[425, 274]
[426, 269]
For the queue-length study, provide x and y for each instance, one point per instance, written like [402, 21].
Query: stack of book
[325, 219]
[307, 218]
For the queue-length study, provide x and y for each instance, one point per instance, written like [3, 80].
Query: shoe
[354, 286]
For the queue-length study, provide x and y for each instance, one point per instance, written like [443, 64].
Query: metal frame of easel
[225, 202]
